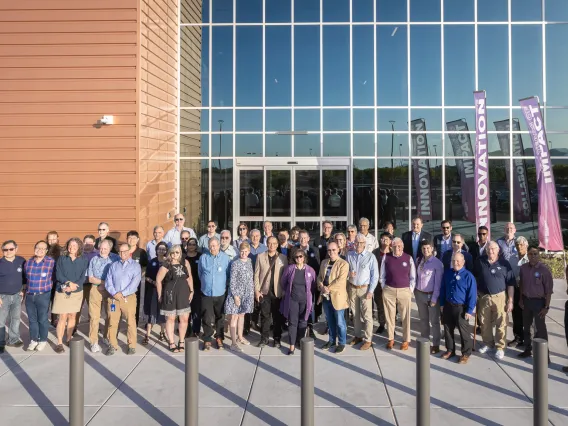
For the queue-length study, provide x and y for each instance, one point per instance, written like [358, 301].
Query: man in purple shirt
[122, 281]
[429, 275]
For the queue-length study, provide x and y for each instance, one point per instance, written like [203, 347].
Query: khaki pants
[97, 300]
[128, 308]
[361, 308]
[492, 313]
[403, 297]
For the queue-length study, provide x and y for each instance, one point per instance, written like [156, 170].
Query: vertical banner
[549, 230]
[482, 193]
[421, 169]
[461, 144]
[521, 195]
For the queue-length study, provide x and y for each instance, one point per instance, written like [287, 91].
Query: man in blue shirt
[507, 241]
[12, 279]
[213, 271]
[457, 303]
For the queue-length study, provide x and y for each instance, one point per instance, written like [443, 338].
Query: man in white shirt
[372, 243]
[173, 236]
[226, 246]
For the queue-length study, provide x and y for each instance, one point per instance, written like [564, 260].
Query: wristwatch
[547, 308]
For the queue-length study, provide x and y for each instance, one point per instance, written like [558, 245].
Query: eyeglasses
[225, 238]
[331, 250]
[102, 229]
[185, 239]
[124, 251]
[445, 227]
[8, 249]
[481, 233]
[40, 249]
[178, 219]
[456, 242]
[299, 257]
[242, 229]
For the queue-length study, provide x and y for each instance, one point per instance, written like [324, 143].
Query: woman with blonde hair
[341, 241]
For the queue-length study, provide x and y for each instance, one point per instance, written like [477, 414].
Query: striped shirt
[39, 275]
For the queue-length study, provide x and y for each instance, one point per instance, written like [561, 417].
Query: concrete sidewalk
[262, 387]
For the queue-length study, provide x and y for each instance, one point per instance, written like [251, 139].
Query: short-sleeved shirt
[12, 275]
[536, 281]
[494, 278]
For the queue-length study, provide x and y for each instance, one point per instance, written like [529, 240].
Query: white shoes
[500, 354]
[41, 346]
[95, 348]
[483, 349]
[32, 346]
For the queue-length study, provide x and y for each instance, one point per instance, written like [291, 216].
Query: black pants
[53, 291]
[517, 315]
[195, 313]
[454, 316]
[296, 321]
[530, 313]
[318, 309]
[270, 313]
[213, 319]
[378, 297]
[566, 321]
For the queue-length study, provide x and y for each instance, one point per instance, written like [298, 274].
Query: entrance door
[287, 194]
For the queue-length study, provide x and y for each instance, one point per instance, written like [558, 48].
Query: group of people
[274, 281]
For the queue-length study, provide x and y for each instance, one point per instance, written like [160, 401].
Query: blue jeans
[37, 306]
[335, 322]
[11, 310]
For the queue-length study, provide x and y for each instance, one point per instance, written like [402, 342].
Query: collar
[105, 258]
[537, 266]
[129, 260]
[459, 272]
[41, 261]
[394, 255]
[446, 239]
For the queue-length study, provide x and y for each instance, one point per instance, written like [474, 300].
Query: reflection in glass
[525, 197]
[392, 82]
[248, 145]
[222, 11]
[222, 120]
[278, 10]
[335, 10]
[336, 120]
[278, 53]
[392, 145]
[433, 117]
[364, 191]
[308, 186]
[306, 10]
[468, 114]
[391, 11]
[392, 181]
[454, 208]
[248, 67]
[251, 184]
[306, 65]
[307, 145]
[190, 120]
[526, 10]
[307, 119]
[222, 197]
[363, 11]
[560, 169]
[458, 10]
[387, 118]
[425, 10]
[459, 64]
[336, 65]
[425, 72]
[222, 66]
[194, 74]
[249, 10]
[491, 10]
[278, 185]
[336, 144]
[194, 193]
[364, 119]
[493, 65]
[500, 199]
[527, 74]
[222, 145]
[278, 146]
[334, 192]
[363, 67]
[278, 120]
[427, 198]
[248, 120]
[557, 63]
[364, 144]
[194, 12]
[556, 119]
[556, 10]
[313, 228]
[194, 145]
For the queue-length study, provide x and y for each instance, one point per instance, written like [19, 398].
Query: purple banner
[461, 144]
[421, 169]
[549, 230]
[481, 163]
[522, 210]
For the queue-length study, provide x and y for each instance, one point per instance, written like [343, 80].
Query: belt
[481, 294]
[455, 304]
[359, 286]
[37, 294]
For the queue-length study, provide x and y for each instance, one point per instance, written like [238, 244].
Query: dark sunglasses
[445, 227]
[101, 229]
[8, 249]
[242, 229]
[185, 239]
[456, 242]
[299, 257]
[481, 233]
[178, 219]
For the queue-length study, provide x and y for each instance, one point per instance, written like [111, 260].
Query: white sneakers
[95, 348]
[483, 349]
[500, 354]
[32, 346]
[41, 346]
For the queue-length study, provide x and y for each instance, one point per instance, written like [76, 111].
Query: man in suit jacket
[332, 284]
[478, 248]
[267, 273]
[412, 239]
[457, 244]
[443, 241]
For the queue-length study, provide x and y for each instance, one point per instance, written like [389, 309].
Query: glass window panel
[425, 68]
[392, 60]
[433, 118]
[459, 64]
[559, 168]
[455, 114]
[306, 65]
[336, 145]
[496, 143]
[556, 64]
[222, 120]
[335, 65]
[306, 10]
[194, 12]
[194, 193]
[493, 65]
[391, 11]
[364, 191]
[222, 11]
[363, 10]
[336, 119]
[463, 141]
[248, 145]
[278, 186]
[363, 66]
[392, 180]
[500, 211]
[526, 10]
[556, 10]
[399, 116]
[307, 145]
[492, 10]
[307, 119]
[251, 184]
[222, 145]
[527, 74]
[190, 120]
[222, 197]
[517, 113]
[364, 144]
[335, 192]
[425, 10]
[249, 10]
[454, 209]
[364, 119]
[248, 120]
[194, 73]
[278, 146]
[308, 185]
[525, 197]
[427, 198]
[493, 115]
[278, 66]
[278, 10]
[222, 67]
[557, 141]
[392, 144]
[204, 120]
[194, 145]
[433, 143]
[459, 10]
[248, 66]
[556, 120]
[335, 10]
[278, 120]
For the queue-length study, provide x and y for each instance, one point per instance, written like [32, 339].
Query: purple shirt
[123, 277]
[429, 275]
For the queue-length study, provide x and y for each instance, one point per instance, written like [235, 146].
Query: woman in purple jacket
[298, 284]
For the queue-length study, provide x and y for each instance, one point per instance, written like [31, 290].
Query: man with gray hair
[517, 260]
[226, 246]
[351, 242]
[104, 229]
[151, 246]
[173, 236]
[372, 243]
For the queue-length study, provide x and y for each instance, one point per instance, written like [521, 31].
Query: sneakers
[32, 346]
[500, 354]
[236, 348]
[95, 348]
[18, 344]
[207, 346]
[262, 343]
[131, 351]
[41, 346]
[483, 349]
[110, 351]
[326, 346]
[339, 349]
[106, 342]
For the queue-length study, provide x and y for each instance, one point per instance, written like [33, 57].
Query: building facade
[295, 111]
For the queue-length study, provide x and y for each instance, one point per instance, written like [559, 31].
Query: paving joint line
[385, 386]
[251, 386]
[29, 355]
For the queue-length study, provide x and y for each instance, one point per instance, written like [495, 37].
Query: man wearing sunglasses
[443, 241]
[457, 247]
[104, 230]
[173, 236]
[12, 288]
[478, 248]
[226, 246]
[211, 233]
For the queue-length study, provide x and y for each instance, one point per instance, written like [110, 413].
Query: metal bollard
[191, 381]
[77, 382]
[423, 382]
[540, 382]
[307, 346]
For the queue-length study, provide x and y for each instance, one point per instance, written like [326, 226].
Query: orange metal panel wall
[64, 64]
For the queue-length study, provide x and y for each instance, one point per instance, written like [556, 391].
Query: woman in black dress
[193, 258]
[151, 305]
[175, 291]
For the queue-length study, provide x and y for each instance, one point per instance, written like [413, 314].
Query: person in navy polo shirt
[12, 280]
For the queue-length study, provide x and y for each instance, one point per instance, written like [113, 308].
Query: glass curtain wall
[388, 84]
